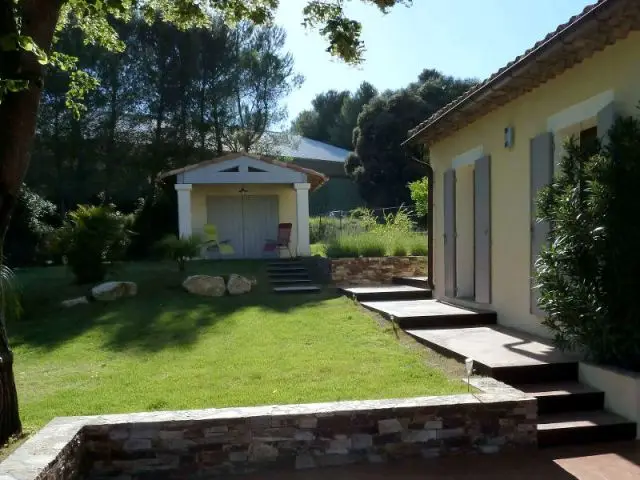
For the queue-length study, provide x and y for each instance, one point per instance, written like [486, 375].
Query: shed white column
[184, 209]
[302, 217]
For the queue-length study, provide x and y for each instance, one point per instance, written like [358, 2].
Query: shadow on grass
[161, 316]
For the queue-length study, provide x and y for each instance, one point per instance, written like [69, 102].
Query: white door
[246, 222]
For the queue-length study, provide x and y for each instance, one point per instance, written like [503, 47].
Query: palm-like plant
[10, 305]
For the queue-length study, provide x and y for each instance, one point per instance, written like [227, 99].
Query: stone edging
[237, 440]
[375, 270]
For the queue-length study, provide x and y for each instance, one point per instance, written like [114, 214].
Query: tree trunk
[18, 114]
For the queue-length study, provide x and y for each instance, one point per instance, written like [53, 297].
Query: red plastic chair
[283, 240]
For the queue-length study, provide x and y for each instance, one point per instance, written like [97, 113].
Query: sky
[463, 38]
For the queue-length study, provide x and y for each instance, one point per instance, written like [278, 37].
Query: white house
[245, 197]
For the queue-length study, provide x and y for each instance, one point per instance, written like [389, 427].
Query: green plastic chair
[214, 244]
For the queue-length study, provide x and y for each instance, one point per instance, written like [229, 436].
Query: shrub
[180, 249]
[155, 217]
[33, 219]
[417, 244]
[343, 247]
[399, 250]
[90, 237]
[370, 245]
[587, 275]
[419, 192]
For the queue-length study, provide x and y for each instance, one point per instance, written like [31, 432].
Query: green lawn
[166, 349]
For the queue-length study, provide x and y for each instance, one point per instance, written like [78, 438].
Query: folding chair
[283, 240]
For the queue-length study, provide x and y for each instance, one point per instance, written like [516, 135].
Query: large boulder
[110, 291]
[237, 284]
[205, 285]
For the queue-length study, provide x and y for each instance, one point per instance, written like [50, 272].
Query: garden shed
[245, 197]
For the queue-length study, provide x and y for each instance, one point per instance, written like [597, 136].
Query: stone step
[302, 274]
[423, 314]
[558, 397]
[284, 262]
[420, 282]
[290, 281]
[385, 292]
[285, 268]
[583, 427]
[297, 289]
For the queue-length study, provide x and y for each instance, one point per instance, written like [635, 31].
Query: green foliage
[393, 235]
[171, 98]
[587, 274]
[95, 20]
[417, 245]
[419, 190]
[334, 116]
[154, 217]
[90, 238]
[380, 164]
[33, 219]
[180, 249]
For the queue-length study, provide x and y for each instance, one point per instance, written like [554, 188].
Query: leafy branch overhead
[95, 20]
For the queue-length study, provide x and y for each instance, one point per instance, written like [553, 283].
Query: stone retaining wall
[370, 270]
[193, 444]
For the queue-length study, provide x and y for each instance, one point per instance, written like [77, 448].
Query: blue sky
[465, 38]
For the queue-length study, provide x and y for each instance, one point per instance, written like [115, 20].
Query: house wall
[612, 73]
[286, 204]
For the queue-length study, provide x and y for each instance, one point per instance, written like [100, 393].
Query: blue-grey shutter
[450, 233]
[482, 229]
[606, 118]
[541, 166]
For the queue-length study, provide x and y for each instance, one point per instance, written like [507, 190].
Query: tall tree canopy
[29, 28]
[172, 98]
[334, 116]
[380, 165]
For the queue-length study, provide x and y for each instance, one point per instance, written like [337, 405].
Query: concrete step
[385, 292]
[297, 289]
[421, 314]
[583, 427]
[510, 356]
[558, 397]
[420, 282]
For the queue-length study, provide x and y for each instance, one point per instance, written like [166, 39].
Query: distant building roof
[290, 145]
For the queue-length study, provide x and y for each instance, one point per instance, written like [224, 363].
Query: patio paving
[612, 461]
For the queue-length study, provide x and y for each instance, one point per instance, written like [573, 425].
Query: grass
[377, 244]
[166, 349]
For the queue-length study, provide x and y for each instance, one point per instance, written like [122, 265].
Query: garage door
[246, 222]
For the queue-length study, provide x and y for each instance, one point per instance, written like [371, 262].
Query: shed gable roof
[596, 27]
[227, 165]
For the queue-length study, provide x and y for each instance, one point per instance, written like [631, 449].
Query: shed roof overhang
[245, 168]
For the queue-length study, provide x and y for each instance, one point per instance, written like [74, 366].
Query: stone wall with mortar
[193, 444]
[373, 271]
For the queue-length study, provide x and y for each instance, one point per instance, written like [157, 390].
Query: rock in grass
[205, 285]
[72, 302]
[237, 284]
[110, 291]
